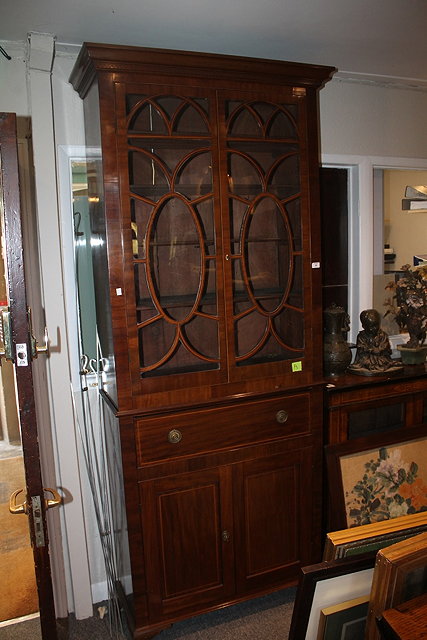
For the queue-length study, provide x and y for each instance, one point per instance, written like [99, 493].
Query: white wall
[13, 96]
[356, 120]
[369, 120]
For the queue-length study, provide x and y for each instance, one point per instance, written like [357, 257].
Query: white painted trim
[354, 233]
[58, 366]
[361, 212]
[374, 79]
[100, 589]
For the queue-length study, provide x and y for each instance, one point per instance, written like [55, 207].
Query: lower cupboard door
[276, 519]
[188, 541]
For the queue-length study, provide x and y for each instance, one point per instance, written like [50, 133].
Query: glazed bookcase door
[214, 192]
[170, 142]
[267, 211]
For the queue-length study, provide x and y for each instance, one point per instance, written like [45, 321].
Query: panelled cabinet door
[188, 540]
[274, 532]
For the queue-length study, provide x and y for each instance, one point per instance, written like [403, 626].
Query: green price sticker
[296, 366]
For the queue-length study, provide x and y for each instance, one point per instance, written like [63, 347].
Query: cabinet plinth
[203, 178]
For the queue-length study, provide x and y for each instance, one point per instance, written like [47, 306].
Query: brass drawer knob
[282, 416]
[226, 537]
[174, 436]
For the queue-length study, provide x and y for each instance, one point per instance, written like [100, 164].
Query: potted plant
[408, 304]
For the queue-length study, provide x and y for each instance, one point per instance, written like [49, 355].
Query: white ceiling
[380, 37]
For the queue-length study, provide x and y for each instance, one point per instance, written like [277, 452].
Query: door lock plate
[21, 355]
[38, 521]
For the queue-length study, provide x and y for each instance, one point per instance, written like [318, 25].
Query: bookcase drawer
[196, 432]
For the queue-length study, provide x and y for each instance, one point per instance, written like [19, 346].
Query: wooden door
[33, 499]
[188, 539]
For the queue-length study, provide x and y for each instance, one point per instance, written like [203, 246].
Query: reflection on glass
[83, 244]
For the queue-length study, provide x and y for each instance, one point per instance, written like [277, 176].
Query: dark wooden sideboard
[359, 406]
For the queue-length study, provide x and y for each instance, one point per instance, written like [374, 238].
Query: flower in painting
[396, 510]
[388, 488]
[416, 492]
[391, 469]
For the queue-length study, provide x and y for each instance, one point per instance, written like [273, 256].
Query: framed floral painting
[378, 478]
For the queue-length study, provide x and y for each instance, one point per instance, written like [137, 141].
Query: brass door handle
[17, 508]
[52, 502]
[35, 349]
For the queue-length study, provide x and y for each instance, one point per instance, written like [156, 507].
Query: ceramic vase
[336, 352]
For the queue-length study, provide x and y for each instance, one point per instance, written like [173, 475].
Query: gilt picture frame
[400, 574]
[370, 538]
[345, 620]
[378, 477]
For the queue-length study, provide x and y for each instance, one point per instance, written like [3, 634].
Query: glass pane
[267, 260]
[293, 212]
[289, 325]
[147, 175]
[261, 119]
[284, 178]
[296, 294]
[83, 260]
[168, 115]
[175, 258]
[93, 272]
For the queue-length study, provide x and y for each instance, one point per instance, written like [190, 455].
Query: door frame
[49, 121]
[361, 222]
[23, 373]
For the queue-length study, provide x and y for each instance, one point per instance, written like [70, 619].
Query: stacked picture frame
[378, 559]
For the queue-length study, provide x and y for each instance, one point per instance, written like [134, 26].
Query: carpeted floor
[265, 618]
